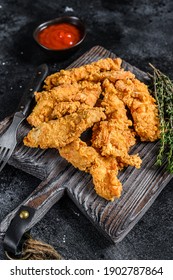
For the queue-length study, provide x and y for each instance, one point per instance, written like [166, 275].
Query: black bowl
[61, 53]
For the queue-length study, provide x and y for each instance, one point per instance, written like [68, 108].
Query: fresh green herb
[163, 93]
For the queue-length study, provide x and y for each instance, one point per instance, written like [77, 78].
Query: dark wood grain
[140, 187]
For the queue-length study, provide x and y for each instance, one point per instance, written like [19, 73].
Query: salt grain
[69, 9]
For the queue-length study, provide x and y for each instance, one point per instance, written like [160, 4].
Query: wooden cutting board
[140, 187]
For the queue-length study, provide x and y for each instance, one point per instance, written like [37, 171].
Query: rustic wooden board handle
[47, 193]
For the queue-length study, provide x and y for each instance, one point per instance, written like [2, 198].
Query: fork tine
[2, 152]
[4, 157]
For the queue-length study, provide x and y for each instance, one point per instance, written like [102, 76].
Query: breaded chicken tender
[114, 137]
[112, 75]
[113, 141]
[60, 132]
[142, 106]
[61, 100]
[86, 72]
[103, 170]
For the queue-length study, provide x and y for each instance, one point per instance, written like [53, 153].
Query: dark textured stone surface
[138, 31]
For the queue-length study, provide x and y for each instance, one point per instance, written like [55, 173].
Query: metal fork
[8, 139]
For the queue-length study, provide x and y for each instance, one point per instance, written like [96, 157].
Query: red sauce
[59, 36]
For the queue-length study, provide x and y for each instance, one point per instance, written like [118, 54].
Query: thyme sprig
[163, 93]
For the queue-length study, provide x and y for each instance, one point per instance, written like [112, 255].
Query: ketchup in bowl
[59, 36]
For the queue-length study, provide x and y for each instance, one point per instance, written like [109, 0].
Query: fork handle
[34, 85]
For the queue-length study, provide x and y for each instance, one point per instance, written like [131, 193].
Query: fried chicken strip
[63, 99]
[114, 137]
[60, 132]
[113, 141]
[104, 171]
[87, 72]
[142, 106]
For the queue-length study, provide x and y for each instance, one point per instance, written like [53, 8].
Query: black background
[139, 32]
